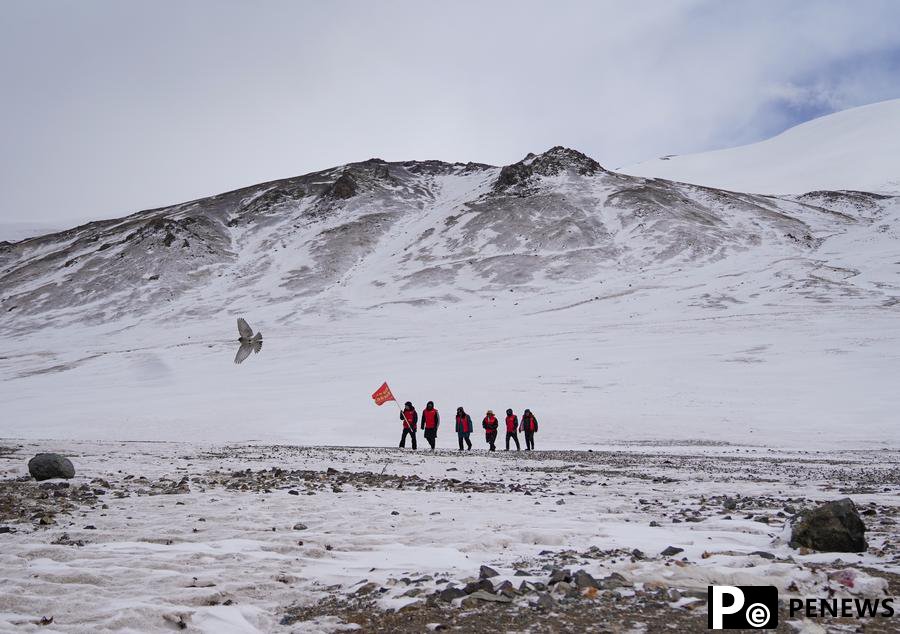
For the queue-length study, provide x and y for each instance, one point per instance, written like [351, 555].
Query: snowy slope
[614, 306]
[855, 149]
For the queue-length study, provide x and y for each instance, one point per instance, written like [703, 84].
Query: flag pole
[405, 422]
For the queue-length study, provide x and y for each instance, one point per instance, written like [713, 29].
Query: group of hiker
[431, 420]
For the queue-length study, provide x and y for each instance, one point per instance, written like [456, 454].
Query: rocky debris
[307, 482]
[450, 593]
[65, 540]
[46, 466]
[545, 602]
[830, 527]
[486, 572]
[366, 588]
[583, 579]
[482, 595]
[299, 526]
[475, 586]
[507, 589]
[671, 551]
[613, 581]
[531, 586]
[559, 576]
[23, 499]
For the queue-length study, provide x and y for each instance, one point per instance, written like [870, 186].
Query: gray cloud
[110, 107]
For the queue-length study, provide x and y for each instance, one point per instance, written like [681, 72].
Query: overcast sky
[111, 107]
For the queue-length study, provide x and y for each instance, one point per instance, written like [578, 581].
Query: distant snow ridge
[367, 234]
[856, 149]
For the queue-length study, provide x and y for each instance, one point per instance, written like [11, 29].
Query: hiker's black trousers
[411, 434]
[430, 436]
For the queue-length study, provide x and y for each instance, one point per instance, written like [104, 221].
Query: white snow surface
[855, 149]
[229, 560]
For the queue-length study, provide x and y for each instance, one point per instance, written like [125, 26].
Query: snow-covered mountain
[366, 234]
[855, 149]
[618, 306]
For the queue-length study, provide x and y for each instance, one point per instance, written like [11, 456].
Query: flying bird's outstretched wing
[243, 352]
[244, 329]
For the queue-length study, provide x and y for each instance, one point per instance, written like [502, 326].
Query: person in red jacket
[431, 420]
[512, 429]
[530, 427]
[463, 427]
[490, 425]
[410, 417]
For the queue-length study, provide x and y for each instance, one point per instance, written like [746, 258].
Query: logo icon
[742, 607]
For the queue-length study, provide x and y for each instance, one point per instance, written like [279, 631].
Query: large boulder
[45, 466]
[830, 527]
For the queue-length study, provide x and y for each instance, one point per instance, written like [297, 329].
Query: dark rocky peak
[560, 158]
[552, 162]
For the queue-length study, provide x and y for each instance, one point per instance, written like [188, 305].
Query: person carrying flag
[410, 417]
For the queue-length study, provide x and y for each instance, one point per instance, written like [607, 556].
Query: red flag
[383, 394]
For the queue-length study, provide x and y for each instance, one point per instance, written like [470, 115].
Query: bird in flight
[249, 342]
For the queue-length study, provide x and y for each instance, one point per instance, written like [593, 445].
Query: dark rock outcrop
[344, 187]
[830, 527]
